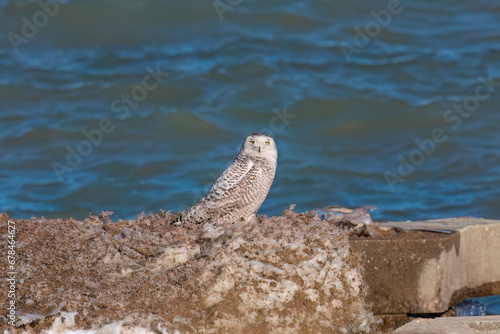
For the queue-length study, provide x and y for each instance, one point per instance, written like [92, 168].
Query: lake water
[133, 106]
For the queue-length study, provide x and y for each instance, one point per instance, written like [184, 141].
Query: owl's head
[260, 145]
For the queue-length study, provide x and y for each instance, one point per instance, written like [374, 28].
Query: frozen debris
[104, 216]
[28, 318]
[175, 256]
[354, 216]
[25, 319]
[287, 274]
[60, 327]
[358, 221]
[212, 231]
[57, 309]
[69, 318]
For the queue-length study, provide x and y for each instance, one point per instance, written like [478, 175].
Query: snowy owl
[241, 189]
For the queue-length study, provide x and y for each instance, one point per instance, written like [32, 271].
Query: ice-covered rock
[288, 274]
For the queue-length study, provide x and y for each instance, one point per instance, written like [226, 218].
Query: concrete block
[429, 272]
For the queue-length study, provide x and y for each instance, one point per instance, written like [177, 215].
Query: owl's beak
[259, 149]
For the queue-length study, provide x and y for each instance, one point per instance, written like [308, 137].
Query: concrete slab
[445, 224]
[455, 325]
[431, 272]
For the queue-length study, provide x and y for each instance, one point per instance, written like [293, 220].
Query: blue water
[491, 304]
[346, 124]
[480, 306]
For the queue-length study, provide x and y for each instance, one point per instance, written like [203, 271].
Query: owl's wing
[233, 180]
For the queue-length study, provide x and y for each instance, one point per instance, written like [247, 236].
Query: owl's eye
[251, 142]
[267, 143]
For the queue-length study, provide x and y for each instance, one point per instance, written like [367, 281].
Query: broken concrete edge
[455, 224]
[457, 325]
[480, 240]
[431, 273]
